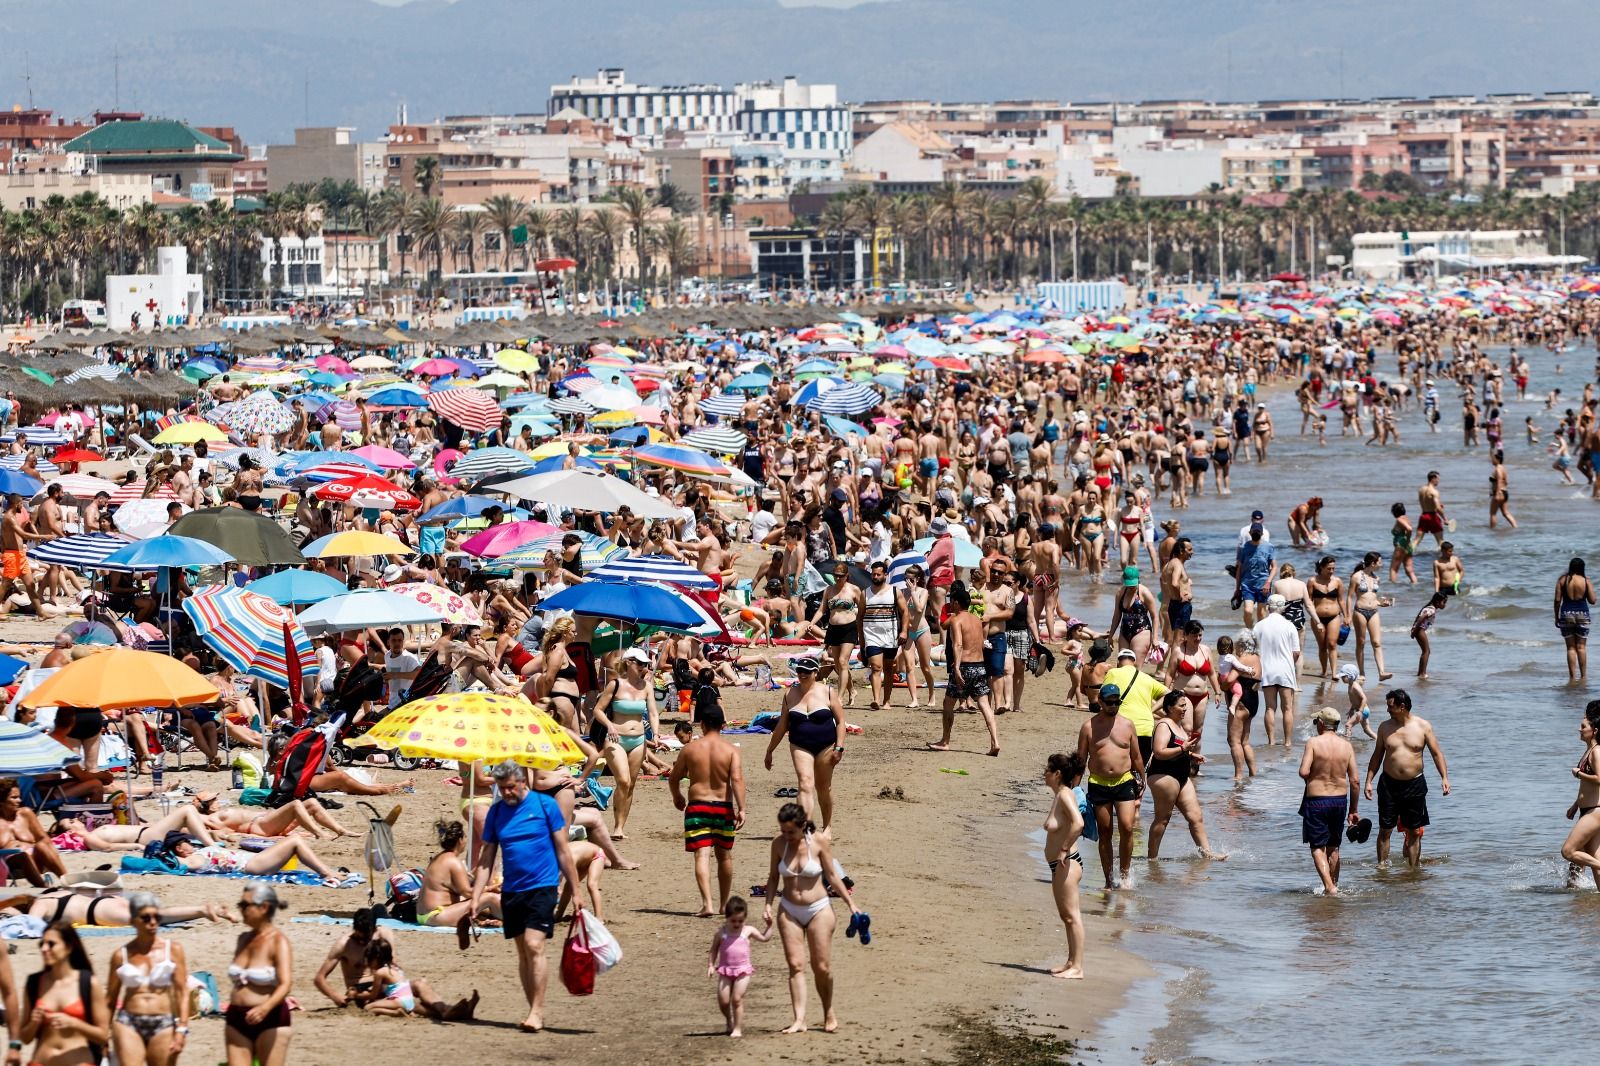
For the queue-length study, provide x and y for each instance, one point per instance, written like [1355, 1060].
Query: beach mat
[383, 923]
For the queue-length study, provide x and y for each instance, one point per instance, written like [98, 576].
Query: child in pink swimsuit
[730, 961]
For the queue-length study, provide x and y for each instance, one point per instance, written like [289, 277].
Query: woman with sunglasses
[149, 988]
[262, 972]
[62, 1005]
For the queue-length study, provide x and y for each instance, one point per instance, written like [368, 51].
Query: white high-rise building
[646, 111]
[806, 121]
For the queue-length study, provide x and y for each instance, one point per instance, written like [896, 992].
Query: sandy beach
[962, 915]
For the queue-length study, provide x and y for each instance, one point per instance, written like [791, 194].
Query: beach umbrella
[12, 667]
[474, 726]
[342, 413]
[252, 539]
[678, 457]
[18, 482]
[581, 490]
[723, 405]
[659, 568]
[250, 632]
[399, 396]
[385, 458]
[81, 551]
[27, 750]
[296, 586]
[482, 462]
[449, 606]
[457, 508]
[370, 362]
[554, 463]
[812, 391]
[119, 678]
[257, 414]
[843, 427]
[166, 551]
[436, 368]
[643, 604]
[516, 360]
[573, 405]
[39, 436]
[317, 475]
[188, 433]
[471, 409]
[495, 541]
[717, 439]
[967, 553]
[77, 455]
[903, 562]
[363, 609]
[42, 468]
[141, 519]
[852, 398]
[309, 460]
[593, 551]
[368, 491]
[355, 542]
[134, 490]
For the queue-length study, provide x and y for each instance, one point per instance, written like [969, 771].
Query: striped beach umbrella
[83, 487]
[594, 553]
[482, 462]
[144, 518]
[44, 466]
[903, 562]
[449, 606]
[331, 472]
[250, 632]
[681, 458]
[723, 405]
[471, 409]
[661, 568]
[853, 398]
[26, 749]
[572, 405]
[342, 413]
[717, 439]
[43, 436]
[134, 490]
[82, 551]
[95, 371]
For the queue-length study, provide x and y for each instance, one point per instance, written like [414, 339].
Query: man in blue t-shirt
[1257, 567]
[527, 829]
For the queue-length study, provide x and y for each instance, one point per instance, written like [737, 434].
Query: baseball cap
[1257, 529]
[805, 664]
[839, 495]
[1256, 516]
[636, 655]
[939, 527]
[1110, 692]
[1130, 576]
[1327, 716]
[1127, 653]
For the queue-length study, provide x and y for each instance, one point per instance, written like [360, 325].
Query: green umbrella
[35, 372]
[248, 537]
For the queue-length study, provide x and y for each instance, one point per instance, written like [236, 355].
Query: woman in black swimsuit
[1132, 620]
[558, 675]
[1327, 601]
[813, 720]
[1173, 755]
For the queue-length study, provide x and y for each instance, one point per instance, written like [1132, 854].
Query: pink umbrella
[495, 541]
[333, 364]
[647, 414]
[386, 458]
[437, 368]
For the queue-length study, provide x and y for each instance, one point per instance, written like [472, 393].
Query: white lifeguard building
[170, 297]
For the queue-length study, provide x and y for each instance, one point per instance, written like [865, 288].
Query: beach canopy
[119, 678]
[470, 726]
[250, 538]
[366, 608]
[645, 604]
[296, 586]
[27, 749]
[580, 490]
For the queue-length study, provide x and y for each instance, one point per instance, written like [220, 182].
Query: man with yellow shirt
[1140, 691]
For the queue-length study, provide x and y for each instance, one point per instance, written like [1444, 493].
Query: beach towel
[133, 864]
[383, 923]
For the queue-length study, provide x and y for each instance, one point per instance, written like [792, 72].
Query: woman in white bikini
[802, 860]
[149, 990]
[257, 1020]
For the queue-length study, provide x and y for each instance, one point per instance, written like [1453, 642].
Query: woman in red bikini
[1192, 671]
[63, 1006]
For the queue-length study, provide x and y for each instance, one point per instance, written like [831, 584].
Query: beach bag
[811, 581]
[602, 944]
[577, 961]
[402, 891]
[249, 767]
[297, 764]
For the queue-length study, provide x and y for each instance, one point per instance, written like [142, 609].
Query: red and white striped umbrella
[134, 490]
[471, 409]
[368, 490]
[333, 471]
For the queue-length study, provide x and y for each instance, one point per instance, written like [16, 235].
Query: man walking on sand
[714, 810]
[969, 673]
[1402, 790]
[1109, 748]
[528, 828]
[1328, 767]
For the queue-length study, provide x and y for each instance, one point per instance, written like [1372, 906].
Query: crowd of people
[941, 539]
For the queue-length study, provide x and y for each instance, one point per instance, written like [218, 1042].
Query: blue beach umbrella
[626, 601]
[289, 587]
[166, 551]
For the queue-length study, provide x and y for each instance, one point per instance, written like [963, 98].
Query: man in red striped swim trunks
[714, 810]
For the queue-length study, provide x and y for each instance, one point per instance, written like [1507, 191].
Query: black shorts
[1402, 803]
[533, 908]
[840, 635]
[1322, 820]
[1146, 746]
[86, 723]
[974, 679]
[1101, 795]
[870, 653]
[1179, 613]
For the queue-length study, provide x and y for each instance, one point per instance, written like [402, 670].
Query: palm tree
[835, 224]
[873, 212]
[567, 233]
[468, 228]
[636, 210]
[505, 213]
[538, 223]
[431, 221]
[674, 243]
[607, 230]
[395, 209]
[426, 172]
[673, 198]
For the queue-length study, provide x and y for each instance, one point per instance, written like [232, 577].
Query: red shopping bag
[577, 961]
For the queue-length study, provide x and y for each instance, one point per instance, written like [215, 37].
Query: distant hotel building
[646, 111]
